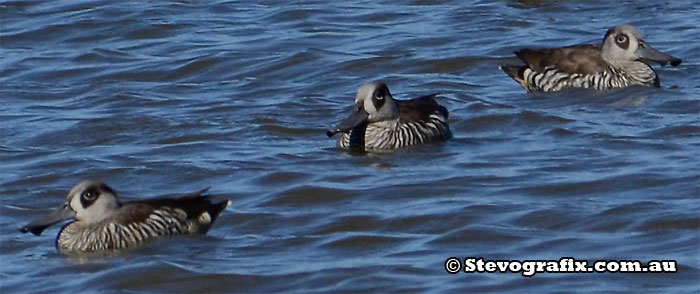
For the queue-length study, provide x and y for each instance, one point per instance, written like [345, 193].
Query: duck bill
[38, 226]
[647, 53]
[359, 116]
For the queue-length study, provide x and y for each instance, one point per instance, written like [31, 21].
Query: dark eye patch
[89, 196]
[104, 188]
[379, 96]
[622, 41]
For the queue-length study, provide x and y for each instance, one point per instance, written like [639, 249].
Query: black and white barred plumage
[396, 134]
[553, 79]
[621, 61]
[103, 223]
[379, 122]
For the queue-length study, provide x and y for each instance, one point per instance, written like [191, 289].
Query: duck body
[102, 223]
[379, 122]
[622, 60]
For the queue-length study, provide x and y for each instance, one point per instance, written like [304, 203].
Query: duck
[622, 60]
[378, 122]
[100, 222]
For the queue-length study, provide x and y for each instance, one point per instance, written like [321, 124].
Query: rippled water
[170, 97]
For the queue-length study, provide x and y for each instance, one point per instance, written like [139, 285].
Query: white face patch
[101, 209]
[104, 205]
[369, 107]
[387, 111]
[614, 53]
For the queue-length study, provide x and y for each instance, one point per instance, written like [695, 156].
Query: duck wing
[577, 59]
[419, 109]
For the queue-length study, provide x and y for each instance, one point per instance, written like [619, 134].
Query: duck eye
[379, 95]
[621, 38]
[89, 195]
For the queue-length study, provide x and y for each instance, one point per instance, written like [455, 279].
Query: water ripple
[162, 98]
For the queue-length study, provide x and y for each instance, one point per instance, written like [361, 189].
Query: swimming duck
[378, 122]
[101, 222]
[622, 60]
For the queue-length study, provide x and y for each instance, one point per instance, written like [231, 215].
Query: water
[170, 97]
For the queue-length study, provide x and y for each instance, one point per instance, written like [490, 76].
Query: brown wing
[133, 212]
[419, 109]
[582, 59]
[193, 205]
